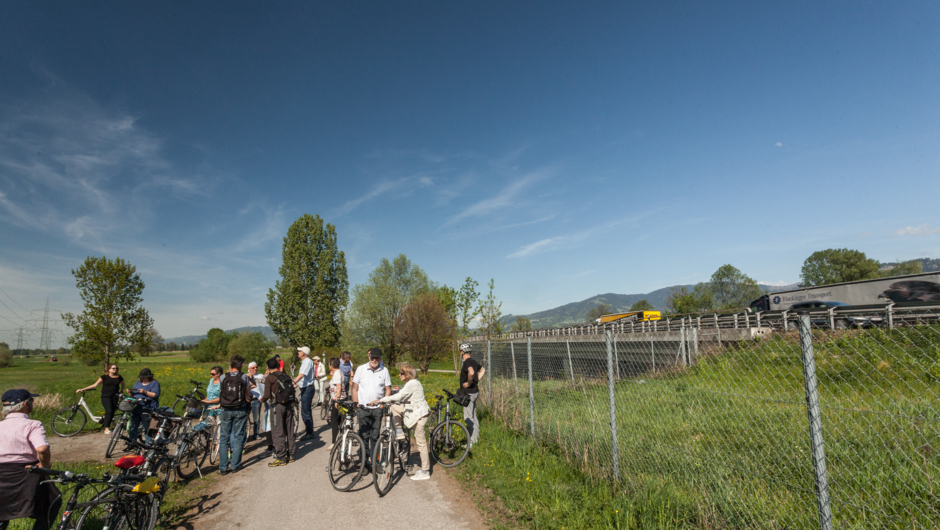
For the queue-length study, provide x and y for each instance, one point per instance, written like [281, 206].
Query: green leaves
[836, 266]
[114, 319]
[306, 304]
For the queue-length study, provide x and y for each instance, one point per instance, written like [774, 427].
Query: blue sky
[563, 149]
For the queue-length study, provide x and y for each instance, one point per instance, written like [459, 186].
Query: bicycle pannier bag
[462, 397]
[284, 389]
[232, 394]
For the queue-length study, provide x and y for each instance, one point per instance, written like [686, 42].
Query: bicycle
[326, 406]
[126, 406]
[70, 420]
[80, 480]
[450, 439]
[348, 456]
[186, 402]
[387, 448]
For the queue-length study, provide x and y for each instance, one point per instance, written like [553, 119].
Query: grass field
[730, 437]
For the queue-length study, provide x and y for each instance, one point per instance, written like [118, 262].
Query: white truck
[923, 287]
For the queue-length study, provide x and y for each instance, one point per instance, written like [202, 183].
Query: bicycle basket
[194, 404]
[193, 413]
[127, 405]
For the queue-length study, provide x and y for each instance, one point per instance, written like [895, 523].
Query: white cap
[252, 363]
[304, 349]
[316, 357]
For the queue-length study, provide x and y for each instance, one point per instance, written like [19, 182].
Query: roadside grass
[730, 435]
[538, 487]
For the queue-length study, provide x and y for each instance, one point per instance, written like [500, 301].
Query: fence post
[613, 407]
[815, 423]
[682, 349]
[515, 380]
[570, 364]
[531, 391]
[616, 359]
[489, 371]
[694, 347]
[889, 309]
[652, 352]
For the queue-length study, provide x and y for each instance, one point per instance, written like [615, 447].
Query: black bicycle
[125, 406]
[387, 450]
[80, 483]
[348, 456]
[450, 440]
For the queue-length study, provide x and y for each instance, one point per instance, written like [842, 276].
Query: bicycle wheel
[193, 455]
[95, 516]
[450, 443]
[69, 421]
[325, 408]
[347, 459]
[115, 437]
[383, 464]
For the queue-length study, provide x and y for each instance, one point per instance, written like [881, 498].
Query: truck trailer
[923, 287]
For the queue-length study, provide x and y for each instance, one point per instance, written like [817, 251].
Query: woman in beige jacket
[411, 408]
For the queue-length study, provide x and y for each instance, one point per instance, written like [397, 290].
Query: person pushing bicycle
[411, 408]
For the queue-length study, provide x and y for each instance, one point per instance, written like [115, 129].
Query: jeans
[255, 416]
[370, 425]
[470, 418]
[231, 435]
[139, 415]
[306, 397]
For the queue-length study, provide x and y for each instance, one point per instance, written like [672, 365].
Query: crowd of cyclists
[271, 399]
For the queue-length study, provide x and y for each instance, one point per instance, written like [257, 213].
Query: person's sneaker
[290, 460]
[223, 472]
[421, 475]
[277, 463]
[307, 436]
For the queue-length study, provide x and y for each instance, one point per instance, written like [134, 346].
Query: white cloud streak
[921, 230]
[505, 198]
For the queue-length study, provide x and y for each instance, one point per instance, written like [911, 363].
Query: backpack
[232, 393]
[283, 390]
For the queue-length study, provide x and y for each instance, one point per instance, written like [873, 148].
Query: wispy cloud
[402, 187]
[570, 240]
[505, 198]
[72, 167]
[920, 230]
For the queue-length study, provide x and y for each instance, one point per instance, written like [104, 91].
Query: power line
[15, 302]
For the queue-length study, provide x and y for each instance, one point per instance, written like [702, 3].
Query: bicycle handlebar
[160, 445]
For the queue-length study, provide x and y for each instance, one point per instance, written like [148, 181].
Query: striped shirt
[19, 439]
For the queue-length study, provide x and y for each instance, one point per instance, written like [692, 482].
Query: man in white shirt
[306, 382]
[371, 382]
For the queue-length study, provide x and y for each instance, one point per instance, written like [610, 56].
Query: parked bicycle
[348, 456]
[387, 449]
[70, 420]
[125, 406]
[184, 402]
[80, 482]
[450, 439]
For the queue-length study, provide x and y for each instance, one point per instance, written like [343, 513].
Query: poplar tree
[305, 306]
[114, 320]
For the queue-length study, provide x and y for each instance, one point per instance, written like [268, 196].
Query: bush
[252, 346]
[213, 348]
[6, 357]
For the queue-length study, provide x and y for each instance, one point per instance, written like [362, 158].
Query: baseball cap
[304, 349]
[17, 396]
[375, 353]
[316, 357]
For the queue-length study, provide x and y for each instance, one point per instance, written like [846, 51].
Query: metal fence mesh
[731, 422]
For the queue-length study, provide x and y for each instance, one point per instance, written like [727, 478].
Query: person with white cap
[257, 390]
[23, 444]
[320, 371]
[306, 382]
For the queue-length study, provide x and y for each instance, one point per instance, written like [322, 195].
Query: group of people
[230, 397]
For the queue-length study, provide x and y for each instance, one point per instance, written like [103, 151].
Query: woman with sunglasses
[213, 392]
[112, 386]
[411, 408]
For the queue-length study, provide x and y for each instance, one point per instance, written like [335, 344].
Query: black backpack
[233, 390]
[283, 390]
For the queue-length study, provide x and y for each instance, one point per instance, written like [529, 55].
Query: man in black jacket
[470, 375]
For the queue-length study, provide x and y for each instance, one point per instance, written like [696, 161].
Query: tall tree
[114, 320]
[522, 324]
[598, 311]
[306, 305]
[467, 299]
[252, 346]
[213, 348]
[731, 288]
[642, 305]
[425, 330]
[490, 311]
[681, 300]
[375, 306]
[836, 266]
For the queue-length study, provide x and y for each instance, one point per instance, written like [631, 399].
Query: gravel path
[299, 495]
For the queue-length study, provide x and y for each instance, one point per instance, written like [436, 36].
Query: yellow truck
[632, 316]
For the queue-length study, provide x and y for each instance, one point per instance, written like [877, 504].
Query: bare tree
[425, 330]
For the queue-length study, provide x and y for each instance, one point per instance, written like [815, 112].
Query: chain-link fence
[837, 430]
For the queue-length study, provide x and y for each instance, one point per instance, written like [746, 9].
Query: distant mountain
[576, 312]
[193, 339]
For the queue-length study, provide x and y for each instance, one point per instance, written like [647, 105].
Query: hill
[576, 312]
[193, 339]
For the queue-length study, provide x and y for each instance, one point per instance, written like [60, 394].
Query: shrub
[6, 357]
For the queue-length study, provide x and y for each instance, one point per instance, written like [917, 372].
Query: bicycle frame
[84, 405]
